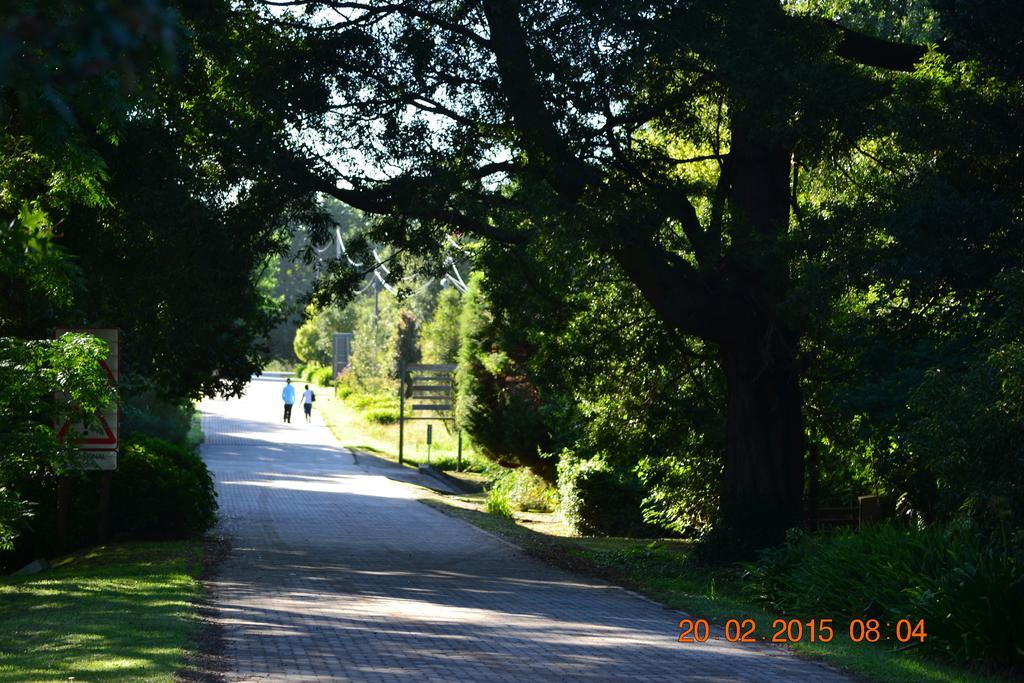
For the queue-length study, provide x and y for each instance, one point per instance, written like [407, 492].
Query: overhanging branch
[870, 51]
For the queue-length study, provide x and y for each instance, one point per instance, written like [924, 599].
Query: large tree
[666, 136]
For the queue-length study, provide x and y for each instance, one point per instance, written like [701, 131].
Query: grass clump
[522, 490]
[497, 503]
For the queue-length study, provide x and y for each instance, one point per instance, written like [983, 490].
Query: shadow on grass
[114, 613]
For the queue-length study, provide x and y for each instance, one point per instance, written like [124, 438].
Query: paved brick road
[339, 574]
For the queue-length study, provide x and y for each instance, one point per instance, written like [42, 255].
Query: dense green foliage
[30, 371]
[969, 594]
[315, 374]
[140, 130]
[598, 500]
[771, 225]
[440, 335]
[497, 404]
[520, 490]
[161, 490]
[406, 343]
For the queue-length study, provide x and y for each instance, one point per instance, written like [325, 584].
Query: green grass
[664, 571]
[113, 613]
[351, 427]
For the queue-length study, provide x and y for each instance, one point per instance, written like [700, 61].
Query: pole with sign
[97, 440]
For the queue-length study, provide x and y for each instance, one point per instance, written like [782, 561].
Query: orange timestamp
[800, 630]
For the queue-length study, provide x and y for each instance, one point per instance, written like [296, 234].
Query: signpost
[97, 441]
[341, 343]
[431, 390]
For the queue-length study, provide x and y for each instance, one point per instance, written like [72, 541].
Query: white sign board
[98, 440]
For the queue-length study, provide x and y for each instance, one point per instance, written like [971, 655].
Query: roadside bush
[308, 371]
[314, 373]
[597, 500]
[322, 377]
[497, 503]
[970, 594]
[345, 384]
[364, 401]
[384, 416]
[161, 491]
[523, 490]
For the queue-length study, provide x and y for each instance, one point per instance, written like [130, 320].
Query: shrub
[596, 499]
[523, 490]
[405, 344]
[384, 416]
[970, 594]
[498, 503]
[345, 384]
[973, 609]
[308, 371]
[161, 491]
[322, 377]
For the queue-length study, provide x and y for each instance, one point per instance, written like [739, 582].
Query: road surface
[337, 573]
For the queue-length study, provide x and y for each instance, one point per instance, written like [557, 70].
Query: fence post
[870, 510]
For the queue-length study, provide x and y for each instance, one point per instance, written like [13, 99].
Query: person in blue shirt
[288, 396]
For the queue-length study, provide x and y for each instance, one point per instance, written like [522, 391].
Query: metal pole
[458, 464]
[103, 521]
[401, 414]
[376, 302]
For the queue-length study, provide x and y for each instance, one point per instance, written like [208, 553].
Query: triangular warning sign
[108, 438]
[110, 373]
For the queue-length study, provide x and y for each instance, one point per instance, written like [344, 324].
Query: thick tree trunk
[762, 483]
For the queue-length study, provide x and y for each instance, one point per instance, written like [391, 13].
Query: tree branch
[410, 198]
[870, 51]
[540, 137]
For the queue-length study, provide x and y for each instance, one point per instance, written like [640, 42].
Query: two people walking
[288, 396]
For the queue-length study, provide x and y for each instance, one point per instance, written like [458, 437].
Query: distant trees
[440, 334]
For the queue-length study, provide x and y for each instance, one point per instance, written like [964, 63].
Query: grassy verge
[351, 427]
[665, 572]
[113, 613]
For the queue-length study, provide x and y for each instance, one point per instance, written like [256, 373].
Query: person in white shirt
[307, 402]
